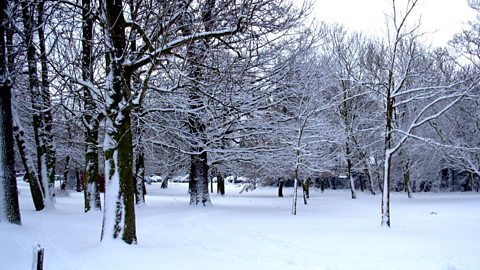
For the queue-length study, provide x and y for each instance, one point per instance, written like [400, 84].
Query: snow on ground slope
[255, 230]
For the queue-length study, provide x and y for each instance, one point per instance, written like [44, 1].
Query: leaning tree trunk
[36, 100]
[9, 206]
[368, 173]
[36, 188]
[119, 209]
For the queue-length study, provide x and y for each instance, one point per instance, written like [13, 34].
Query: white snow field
[254, 230]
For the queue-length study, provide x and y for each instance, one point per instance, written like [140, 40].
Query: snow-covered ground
[254, 230]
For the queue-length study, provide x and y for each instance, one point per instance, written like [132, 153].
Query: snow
[112, 190]
[254, 230]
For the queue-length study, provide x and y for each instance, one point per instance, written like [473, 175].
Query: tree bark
[388, 156]
[119, 210]
[280, 188]
[368, 173]
[196, 52]
[220, 184]
[46, 107]
[37, 101]
[350, 176]
[63, 186]
[199, 180]
[79, 181]
[36, 188]
[91, 119]
[139, 177]
[295, 192]
[9, 205]
[406, 178]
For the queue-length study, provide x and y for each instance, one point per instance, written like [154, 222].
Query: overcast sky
[440, 18]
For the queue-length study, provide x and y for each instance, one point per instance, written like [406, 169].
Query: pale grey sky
[440, 18]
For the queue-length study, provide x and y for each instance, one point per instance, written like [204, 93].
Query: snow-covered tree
[403, 79]
[9, 206]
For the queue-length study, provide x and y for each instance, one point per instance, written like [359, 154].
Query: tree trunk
[37, 101]
[79, 181]
[36, 189]
[196, 52]
[139, 177]
[211, 184]
[63, 186]
[470, 181]
[388, 160]
[307, 187]
[280, 188]
[46, 107]
[295, 192]
[90, 172]
[199, 180]
[406, 178]
[90, 118]
[350, 176]
[368, 173]
[220, 184]
[361, 181]
[119, 209]
[9, 206]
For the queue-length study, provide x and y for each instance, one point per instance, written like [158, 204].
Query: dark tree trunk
[30, 172]
[47, 120]
[362, 182]
[280, 188]
[90, 172]
[198, 180]
[90, 118]
[9, 206]
[36, 189]
[119, 210]
[388, 155]
[306, 187]
[79, 181]
[164, 183]
[139, 177]
[350, 176]
[211, 184]
[63, 186]
[196, 52]
[36, 100]
[220, 184]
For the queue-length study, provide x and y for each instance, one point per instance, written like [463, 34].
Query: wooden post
[37, 263]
